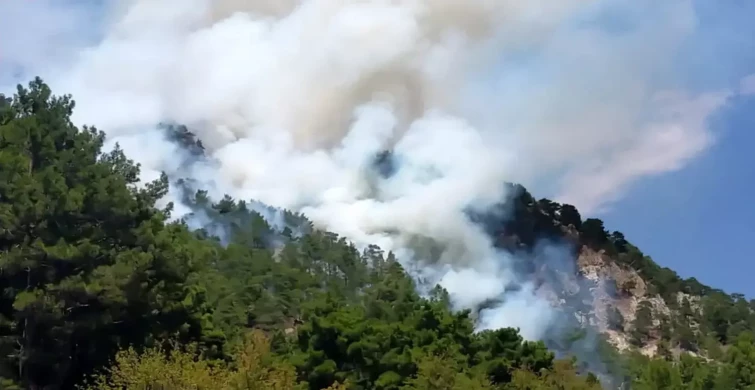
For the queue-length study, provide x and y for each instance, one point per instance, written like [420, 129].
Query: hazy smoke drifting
[294, 99]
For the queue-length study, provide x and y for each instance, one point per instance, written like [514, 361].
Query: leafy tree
[437, 373]
[561, 376]
[642, 323]
[88, 262]
[95, 279]
[178, 369]
[658, 374]
[568, 215]
[619, 242]
[594, 233]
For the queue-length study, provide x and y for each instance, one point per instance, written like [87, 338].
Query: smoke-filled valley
[325, 198]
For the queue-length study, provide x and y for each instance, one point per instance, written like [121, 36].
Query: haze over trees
[102, 290]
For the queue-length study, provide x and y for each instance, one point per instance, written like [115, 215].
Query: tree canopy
[101, 290]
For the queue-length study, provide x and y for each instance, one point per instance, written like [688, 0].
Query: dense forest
[101, 289]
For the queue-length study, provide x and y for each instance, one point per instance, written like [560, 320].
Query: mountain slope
[636, 302]
[238, 295]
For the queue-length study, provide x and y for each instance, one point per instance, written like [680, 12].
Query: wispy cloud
[747, 86]
[668, 144]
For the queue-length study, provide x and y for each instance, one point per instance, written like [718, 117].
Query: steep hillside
[604, 284]
[635, 302]
[103, 290]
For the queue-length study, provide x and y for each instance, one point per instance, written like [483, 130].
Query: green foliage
[714, 320]
[733, 371]
[643, 323]
[438, 373]
[88, 263]
[593, 233]
[562, 376]
[181, 369]
[95, 278]
[568, 215]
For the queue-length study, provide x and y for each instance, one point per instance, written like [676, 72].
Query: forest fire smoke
[294, 99]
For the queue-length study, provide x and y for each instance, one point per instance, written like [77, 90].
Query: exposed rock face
[602, 288]
[614, 287]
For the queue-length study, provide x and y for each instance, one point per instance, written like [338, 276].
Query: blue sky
[700, 221]
[697, 220]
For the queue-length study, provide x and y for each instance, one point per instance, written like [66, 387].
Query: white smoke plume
[293, 100]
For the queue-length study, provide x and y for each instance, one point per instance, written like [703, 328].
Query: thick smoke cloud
[295, 99]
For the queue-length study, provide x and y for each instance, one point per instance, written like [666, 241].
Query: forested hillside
[100, 290]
